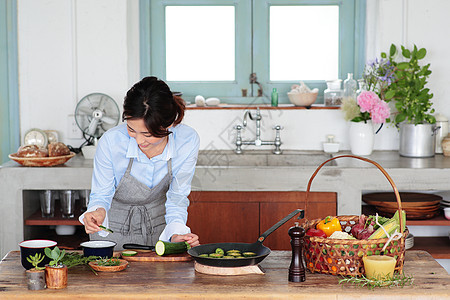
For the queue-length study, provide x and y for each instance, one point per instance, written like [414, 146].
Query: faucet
[257, 142]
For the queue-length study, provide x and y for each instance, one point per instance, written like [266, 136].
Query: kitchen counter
[226, 171]
[178, 280]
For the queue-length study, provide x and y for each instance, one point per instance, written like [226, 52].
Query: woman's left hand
[190, 238]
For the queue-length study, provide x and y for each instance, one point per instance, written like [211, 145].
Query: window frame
[9, 91]
[249, 15]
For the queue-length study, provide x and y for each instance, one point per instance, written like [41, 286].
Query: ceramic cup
[379, 266]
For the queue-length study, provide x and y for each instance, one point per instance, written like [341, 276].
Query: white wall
[70, 48]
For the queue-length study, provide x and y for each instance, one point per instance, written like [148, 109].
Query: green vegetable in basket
[390, 226]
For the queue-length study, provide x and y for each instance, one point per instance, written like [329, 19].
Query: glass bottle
[274, 97]
[333, 94]
[362, 87]
[350, 87]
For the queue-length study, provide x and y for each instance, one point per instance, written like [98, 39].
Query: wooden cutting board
[152, 256]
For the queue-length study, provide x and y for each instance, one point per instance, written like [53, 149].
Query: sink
[227, 158]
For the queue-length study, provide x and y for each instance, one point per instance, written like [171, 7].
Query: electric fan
[95, 114]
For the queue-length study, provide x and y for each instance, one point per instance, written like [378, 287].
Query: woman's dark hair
[151, 100]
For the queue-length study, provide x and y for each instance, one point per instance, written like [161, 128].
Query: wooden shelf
[438, 247]
[36, 218]
[438, 220]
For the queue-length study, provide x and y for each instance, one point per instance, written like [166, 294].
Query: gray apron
[137, 213]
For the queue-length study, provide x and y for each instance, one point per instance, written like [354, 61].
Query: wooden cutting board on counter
[152, 256]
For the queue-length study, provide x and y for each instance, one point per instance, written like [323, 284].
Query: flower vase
[361, 138]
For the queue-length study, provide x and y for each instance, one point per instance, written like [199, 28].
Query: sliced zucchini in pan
[249, 254]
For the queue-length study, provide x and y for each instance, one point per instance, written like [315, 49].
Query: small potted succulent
[36, 275]
[55, 272]
[411, 98]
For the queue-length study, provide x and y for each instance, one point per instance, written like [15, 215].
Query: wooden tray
[122, 266]
[152, 256]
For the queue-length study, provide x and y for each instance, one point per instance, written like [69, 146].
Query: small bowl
[65, 229]
[31, 247]
[103, 249]
[447, 213]
[302, 99]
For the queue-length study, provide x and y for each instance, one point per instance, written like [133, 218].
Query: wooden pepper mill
[297, 269]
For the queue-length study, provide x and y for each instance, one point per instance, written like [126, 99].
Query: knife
[138, 246]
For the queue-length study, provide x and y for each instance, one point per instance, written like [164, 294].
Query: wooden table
[176, 280]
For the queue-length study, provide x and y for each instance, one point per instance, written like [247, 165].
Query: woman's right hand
[93, 219]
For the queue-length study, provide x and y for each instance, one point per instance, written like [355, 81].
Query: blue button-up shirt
[114, 150]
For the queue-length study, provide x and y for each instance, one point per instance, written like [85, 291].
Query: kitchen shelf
[36, 218]
[438, 247]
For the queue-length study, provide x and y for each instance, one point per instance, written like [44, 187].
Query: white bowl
[447, 212]
[302, 99]
[65, 229]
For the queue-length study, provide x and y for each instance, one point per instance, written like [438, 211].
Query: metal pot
[417, 140]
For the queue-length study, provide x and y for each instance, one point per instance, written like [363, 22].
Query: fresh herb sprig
[105, 229]
[396, 281]
[107, 262]
[73, 259]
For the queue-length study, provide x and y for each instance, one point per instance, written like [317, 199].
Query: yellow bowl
[302, 99]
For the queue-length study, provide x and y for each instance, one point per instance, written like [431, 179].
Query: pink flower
[378, 109]
[380, 112]
[367, 100]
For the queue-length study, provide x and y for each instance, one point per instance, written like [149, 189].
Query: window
[211, 47]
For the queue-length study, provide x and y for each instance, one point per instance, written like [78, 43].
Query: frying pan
[257, 247]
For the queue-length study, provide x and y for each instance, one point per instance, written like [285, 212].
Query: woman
[143, 171]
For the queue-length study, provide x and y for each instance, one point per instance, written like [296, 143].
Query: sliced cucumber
[166, 248]
[129, 253]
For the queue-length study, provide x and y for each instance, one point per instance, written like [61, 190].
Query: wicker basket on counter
[344, 257]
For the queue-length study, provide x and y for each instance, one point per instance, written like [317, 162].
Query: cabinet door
[319, 205]
[216, 222]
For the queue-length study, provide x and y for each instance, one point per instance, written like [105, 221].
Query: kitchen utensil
[98, 248]
[257, 247]
[47, 200]
[84, 198]
[138, 246]
[31, 247]
[41, 161]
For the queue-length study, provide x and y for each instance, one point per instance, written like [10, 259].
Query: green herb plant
[55, 255]
[35, 260]
[398, 280]
[412, 98]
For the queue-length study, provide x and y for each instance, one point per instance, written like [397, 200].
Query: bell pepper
[316, 232]
[329, 225]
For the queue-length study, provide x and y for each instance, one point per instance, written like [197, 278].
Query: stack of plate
[445, 203]
[409, 241]
[418, 206]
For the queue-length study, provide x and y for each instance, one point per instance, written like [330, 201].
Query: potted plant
[367, 109]
[55, 271]
[36, 275]
[411, 98]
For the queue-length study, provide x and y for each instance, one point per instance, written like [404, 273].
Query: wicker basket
[344, 257]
